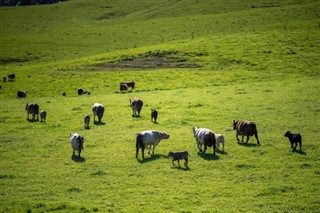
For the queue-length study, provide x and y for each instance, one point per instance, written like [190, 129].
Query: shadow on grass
[32, 120]
[181, 168]
[98, 123]
[77, 159]
[299, 152]
[151, 158]
[248, 144]
[222, 152]
[208, 156]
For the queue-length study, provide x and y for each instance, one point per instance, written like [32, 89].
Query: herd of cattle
[151, 138]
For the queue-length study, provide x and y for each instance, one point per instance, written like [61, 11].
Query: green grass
[254, 60]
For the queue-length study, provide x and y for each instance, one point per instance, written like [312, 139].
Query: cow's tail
[139, 143]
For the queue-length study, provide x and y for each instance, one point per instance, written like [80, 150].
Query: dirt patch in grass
[152, 60]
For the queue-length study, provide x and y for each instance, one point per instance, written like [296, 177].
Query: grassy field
[199, 63]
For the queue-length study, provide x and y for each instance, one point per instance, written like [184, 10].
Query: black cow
[154, 115]
[21, 94]
[32, 109]
[294, 139]
[11, 76]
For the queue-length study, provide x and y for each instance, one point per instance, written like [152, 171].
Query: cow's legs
[153, 149]
[179, 163]
[242, 138]
[247, 138]
[205, 148]
[200, 147]
[237, 137]
[256, 135]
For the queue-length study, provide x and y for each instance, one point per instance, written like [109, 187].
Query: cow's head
[165, 135]
[288, 133]
[194, 129]
[235, 124]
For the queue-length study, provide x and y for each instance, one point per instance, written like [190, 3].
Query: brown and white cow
[136, 105]
[245, 128]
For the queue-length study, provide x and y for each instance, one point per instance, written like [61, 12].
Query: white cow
[219, 140]
[204, 137]
[149, 138]
[76, 141]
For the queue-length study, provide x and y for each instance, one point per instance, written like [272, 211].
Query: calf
[86, 121]
[32, 109]
[245, 128]
[219, 140]
[11, 76]
[43, 115]
[179, 156]
[294, 139]
[154, 115]
[76, 141]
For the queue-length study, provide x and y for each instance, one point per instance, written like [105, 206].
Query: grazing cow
[76, 141]
[4, 79]
[21, 94]
[136, 105]
[245, 128]
[80, 91]
[32, 109]
[149, 138]
[154, 115]
[294, 139]
[129, 84]
[204, 137]
[86, 121]
[11, 76]
[219, 140]
[43, 115]
[64, 93]
[179, 156]
[97, 110]
[123, 87]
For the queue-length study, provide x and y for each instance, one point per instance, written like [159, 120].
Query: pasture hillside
[199, 63]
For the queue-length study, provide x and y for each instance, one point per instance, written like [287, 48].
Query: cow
[11, 76]
[4, 79]
[179, 156]
[43, 115]
[219, 140]
[32, 109]
[64, 93]
[129, 84]
[86, 120]
[245, 128]
[21, 94]
[136, 105]
[149, 138]
[97, 110]
[154, 115]
[204, 137]
[80, 91]
[294, 139]
[76, 141]
[123, 87]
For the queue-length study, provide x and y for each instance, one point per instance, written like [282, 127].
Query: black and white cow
[149, 138]
[97, 110]
[21, 94]
[32, 109]
[136, 106]
[204, 137]
[76, 141]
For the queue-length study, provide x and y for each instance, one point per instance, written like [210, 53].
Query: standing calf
[179, 156]
[294, 139]
[43, 115]
[86, 121]
[154, 115]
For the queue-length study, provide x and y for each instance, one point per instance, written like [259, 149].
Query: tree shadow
[151, 158]
[99, 123]
[247, 144]
[208, 156]
[299, 152]
[77, 159]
